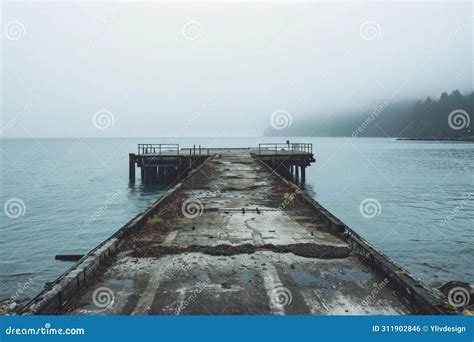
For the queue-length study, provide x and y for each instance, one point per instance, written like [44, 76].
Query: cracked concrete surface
[277, 259]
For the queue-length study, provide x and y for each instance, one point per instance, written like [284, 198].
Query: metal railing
[286, 148]
[158, 148]
[277, 148]
[196, 150]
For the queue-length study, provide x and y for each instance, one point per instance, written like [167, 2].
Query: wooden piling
[160, 174]
[131, 167]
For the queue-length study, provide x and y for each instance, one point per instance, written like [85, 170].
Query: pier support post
[286, 171]
[297, 176]
[131, 167]
[179, 171]
[160, 173]
[165, 174]
[303, 174]
[154, 173]
[147, 174]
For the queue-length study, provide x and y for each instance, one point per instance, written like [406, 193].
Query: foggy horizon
[217, 70]
[233, 161]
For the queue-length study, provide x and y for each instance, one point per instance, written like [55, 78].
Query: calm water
[424, 222]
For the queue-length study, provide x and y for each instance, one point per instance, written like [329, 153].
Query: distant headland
[450, 118]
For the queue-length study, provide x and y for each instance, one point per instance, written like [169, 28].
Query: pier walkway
[235, 237]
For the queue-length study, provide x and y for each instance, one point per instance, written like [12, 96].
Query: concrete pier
[236, 237]
[164, 163]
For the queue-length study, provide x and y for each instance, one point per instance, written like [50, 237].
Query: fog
[123, 69]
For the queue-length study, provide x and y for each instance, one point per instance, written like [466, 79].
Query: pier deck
[236, 238]
[226, 262]
[169, 162]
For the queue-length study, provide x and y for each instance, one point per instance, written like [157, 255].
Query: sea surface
[413, 200]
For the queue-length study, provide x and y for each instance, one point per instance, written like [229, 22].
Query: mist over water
[76, 194]
[213, 69]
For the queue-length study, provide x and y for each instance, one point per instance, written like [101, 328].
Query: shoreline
[464, 139]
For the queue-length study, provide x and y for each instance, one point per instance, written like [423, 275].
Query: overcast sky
[161, 69]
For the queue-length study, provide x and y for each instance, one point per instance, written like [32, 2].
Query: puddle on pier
[203, 277]
[331, 279]
[307, 279]
[246, 277]
[129, 283]
[354, 275]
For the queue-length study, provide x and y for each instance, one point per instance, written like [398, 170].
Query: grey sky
[162, 69]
